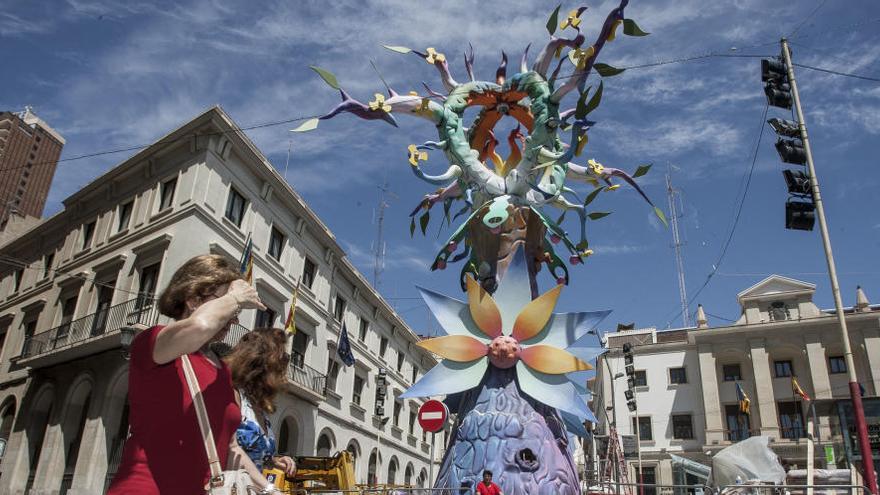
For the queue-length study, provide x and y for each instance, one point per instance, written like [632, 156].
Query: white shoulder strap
[204, 424]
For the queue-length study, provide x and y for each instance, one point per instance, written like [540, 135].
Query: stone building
[73, 285]
[685, 382]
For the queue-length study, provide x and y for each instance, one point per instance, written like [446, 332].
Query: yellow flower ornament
[379, 104]
[573, 20]
[434, 56]
[416, 156]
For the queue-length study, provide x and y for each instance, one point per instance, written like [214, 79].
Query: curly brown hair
[198, 277]
[258, 364]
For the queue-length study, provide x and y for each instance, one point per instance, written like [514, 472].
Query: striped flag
[797, 390]
[246, 266]
[343, 347]
[290, 324]
[744, 402]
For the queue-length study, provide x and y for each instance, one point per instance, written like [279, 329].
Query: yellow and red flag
[290, 324]
[797, 390]
[246, 266]
[743, 399]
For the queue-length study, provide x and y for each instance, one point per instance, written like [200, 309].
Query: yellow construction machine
[320, 473]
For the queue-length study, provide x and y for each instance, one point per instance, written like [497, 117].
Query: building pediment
[776, 287]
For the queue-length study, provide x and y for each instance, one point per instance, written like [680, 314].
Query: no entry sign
[433, 415]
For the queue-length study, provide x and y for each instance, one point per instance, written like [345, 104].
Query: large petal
[514, 290]
[580, 379]
[451, 314]
[483, 309]
[554, 390]
[534, 317]
[575, 425]
[564, 329]
[460, 348]
[587, 354]
[552, 360]
[448, 377]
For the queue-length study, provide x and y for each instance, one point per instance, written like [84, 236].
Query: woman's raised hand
[245, 295]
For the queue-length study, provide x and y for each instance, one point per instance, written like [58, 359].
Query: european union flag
[343, 348]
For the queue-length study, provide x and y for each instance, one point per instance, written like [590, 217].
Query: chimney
[702, 322]
[862, 304]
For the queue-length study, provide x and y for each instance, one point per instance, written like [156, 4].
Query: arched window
[408, 474]
[423, 479]
[392, 471]
[353, 450]
[287, 437]
[373, 468]
[325, 446]
[7, 414]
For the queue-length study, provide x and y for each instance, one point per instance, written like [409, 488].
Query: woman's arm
[190, 334]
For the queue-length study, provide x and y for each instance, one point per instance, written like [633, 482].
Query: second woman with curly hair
[258, 364]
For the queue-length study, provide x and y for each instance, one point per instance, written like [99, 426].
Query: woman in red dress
[165, 452]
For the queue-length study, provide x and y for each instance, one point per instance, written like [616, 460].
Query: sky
[111, 75]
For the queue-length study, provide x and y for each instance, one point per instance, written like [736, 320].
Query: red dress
[492, 489]
[165, 452]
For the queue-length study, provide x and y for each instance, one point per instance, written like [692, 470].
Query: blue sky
[110, 75]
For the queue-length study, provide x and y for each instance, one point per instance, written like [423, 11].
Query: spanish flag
[290, 324]
[797, 390]
[744, 402]
[246, 267]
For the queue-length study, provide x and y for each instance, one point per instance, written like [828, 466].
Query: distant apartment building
[29, 152]
[74, 286]
[685, 383]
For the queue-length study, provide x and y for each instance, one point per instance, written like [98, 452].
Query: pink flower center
[504, 352]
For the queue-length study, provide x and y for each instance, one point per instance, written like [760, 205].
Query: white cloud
[12, 25]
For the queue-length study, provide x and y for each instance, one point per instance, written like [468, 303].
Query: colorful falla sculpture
[513, 371]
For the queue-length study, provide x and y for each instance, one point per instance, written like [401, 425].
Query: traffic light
[776, 87]
[785, 128]
[791, 151]
[629, 366]
[799, 215]
[798, 183]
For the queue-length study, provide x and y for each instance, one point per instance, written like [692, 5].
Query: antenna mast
[379, 244]
[671, 194]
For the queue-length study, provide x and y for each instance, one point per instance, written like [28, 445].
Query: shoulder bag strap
[204, 424]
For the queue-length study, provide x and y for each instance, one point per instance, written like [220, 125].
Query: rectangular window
[640, 379]
[731, 372]
[17, 275]
[782, 369]
[308, 274]
[738, 424]
[68, 308]
[339, 308]
[398, 406]
[383, 346]
[791, 422]
[837, 364]
[400, 358]
[147, 287]
[30, 328]
[124, 216]
[48, 260]
[276, 244]
[363, 328]
[677, 376]
[415, 373]
[300, 346]
[358, 389]
[644, 428]
[682, 427]
[88, 234]
[235, 206]
[412, 422]
[166, 196]
[265, 318]
[649, 477]
[332, 373]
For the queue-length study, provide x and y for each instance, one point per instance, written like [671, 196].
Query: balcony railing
[739, 434]
[306, 376]
[106, 320]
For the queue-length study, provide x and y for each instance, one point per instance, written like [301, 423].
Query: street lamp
[126, 336]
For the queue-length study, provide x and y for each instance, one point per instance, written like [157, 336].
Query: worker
[487, 487]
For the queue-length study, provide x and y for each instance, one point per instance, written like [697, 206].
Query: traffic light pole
[855, 393]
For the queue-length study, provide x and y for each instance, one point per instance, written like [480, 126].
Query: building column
[872, 349]
[91, 464]
[15, 463]
[765, 400]
[818, 370]
[50, 465]
[711, 401]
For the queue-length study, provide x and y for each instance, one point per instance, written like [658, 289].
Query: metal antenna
[671, 194]
[287, 163]
[379, 244]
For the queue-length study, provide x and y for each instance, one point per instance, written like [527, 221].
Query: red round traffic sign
[433, 415]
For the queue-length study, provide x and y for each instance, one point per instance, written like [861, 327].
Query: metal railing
[382, 490]
[739, 434]
[143, 311]
[307, 376]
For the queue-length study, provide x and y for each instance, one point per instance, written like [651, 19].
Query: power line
[838, 73]
[735, 220]
[25, 265]
[810, 16]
